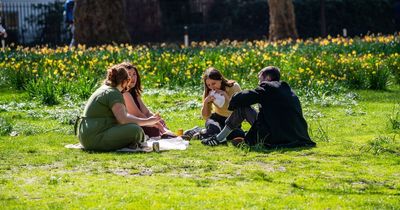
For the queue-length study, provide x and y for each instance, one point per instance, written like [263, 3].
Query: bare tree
[100, 22]
[282, 20]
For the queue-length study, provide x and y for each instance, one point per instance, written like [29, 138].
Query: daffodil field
[339, 81]
[370, 62]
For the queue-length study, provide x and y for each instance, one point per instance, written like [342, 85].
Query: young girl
[218, 92]
[136, 107]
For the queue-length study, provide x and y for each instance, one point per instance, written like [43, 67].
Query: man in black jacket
[279, 123]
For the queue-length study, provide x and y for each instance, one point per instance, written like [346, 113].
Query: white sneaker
[191, 132]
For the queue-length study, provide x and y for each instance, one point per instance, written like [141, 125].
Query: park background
[31, 22]
[348, 87]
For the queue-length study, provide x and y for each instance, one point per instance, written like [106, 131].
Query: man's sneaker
[188, 134]
[237, 141]
[212, 141]
[197, 136]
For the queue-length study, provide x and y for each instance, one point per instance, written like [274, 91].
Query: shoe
[188, 134]
[136, 147]
[237, 141]
[196, 136]
[212, 141]
[168, 136]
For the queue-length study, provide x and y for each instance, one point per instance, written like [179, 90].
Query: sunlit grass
[355, 169]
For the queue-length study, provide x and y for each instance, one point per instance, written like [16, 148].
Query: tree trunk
[100, 22]
[282, 20]
[144, 20]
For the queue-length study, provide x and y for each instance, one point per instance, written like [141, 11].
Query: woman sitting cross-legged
[105, 124]
[218, 92]
[136, 107]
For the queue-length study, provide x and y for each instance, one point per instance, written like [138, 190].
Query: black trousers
[216, 123]
[239, 115]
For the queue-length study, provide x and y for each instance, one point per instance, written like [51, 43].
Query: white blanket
[169, 144]
[165, 144]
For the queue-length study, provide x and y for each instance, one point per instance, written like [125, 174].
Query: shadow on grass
[343, 189]
[267, 150]
[117, 152]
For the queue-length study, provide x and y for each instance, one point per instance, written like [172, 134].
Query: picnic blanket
[164, 144]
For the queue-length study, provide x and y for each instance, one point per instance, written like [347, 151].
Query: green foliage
[319, 134]
[341, 172]
[5, 126]
[379, 79]
[84, 87]
[45, 89]
[326, 95]
[28, 129]
[394, 118]
[394, 67]
[318, 66]
[15, 77]
[382, 144]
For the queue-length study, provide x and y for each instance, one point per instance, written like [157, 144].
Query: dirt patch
[268, 167]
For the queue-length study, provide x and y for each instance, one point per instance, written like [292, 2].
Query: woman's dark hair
[136, 90]
[116, 75]
[214, 74]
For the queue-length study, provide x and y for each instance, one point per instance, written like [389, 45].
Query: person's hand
[154, 119]
[209, 99]
[159, 126]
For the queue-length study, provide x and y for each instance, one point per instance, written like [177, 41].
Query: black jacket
[280, 121]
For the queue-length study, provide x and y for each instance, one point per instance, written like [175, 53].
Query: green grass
[356, 164]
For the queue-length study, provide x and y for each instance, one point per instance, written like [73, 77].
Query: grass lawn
[356, 164]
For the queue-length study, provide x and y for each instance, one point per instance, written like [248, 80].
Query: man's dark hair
[273, 72]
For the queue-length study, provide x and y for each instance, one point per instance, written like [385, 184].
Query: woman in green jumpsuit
[105, 124]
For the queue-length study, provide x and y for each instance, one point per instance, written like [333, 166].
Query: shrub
[394, 119]
[393, 63]
[382, 144]
[319, 134]
[319, 64]
[5, 127]
[379, 77]
[44, 89]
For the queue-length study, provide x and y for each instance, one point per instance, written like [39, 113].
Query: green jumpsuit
[99, 129]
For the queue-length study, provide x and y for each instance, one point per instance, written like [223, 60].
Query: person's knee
[212, 124]
[135, 131]
[242, 110]
[249, 113]
[248, 109]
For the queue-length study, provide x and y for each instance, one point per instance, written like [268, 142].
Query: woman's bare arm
[146, 111]
[131, 106]
[206, 109]
[123, 117]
